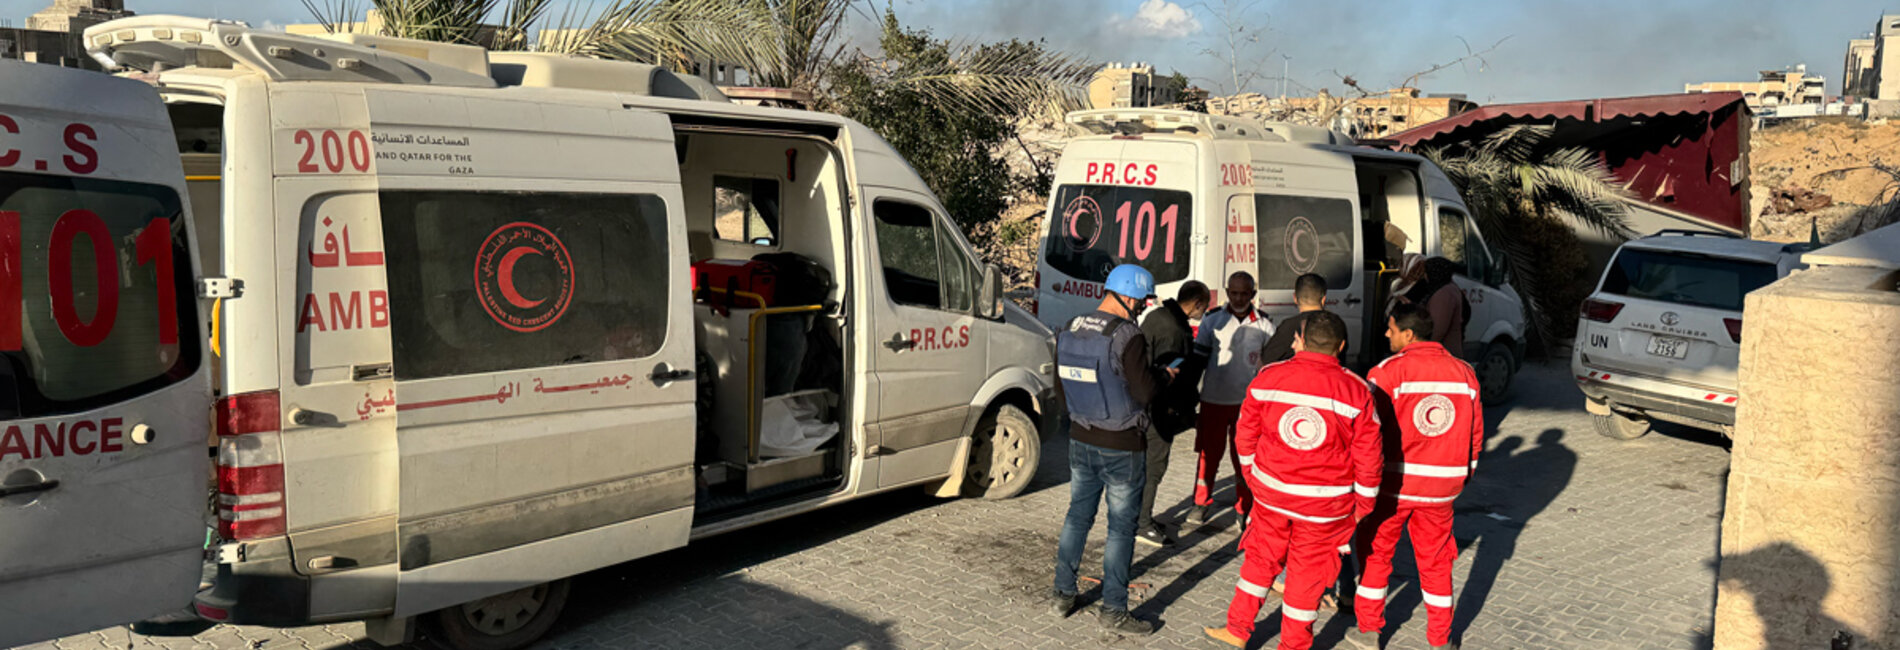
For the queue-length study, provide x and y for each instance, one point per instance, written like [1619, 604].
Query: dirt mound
[1834, 158]
[1820, 174]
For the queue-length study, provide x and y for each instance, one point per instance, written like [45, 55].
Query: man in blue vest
[1107, 380]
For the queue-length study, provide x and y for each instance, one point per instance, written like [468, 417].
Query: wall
[1809, 550]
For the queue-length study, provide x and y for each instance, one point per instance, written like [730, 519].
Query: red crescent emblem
[501, 272]
[507, 279]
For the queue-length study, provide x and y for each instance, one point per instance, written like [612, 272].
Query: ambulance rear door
[105, 396]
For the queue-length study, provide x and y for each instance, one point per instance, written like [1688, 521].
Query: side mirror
[989, 298]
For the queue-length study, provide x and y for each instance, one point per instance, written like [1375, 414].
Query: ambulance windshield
[96, 299]
[1094, 228]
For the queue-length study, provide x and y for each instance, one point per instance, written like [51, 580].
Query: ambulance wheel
[1621, 427]
[1004, 452]
[503, 621]
[1495, 370]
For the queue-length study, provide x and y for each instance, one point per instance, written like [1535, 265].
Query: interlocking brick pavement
[1570, 540]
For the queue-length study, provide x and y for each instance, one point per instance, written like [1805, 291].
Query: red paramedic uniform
[1308, 440]
[1440, 420]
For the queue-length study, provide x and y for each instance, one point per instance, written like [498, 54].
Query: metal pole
[1286, 64]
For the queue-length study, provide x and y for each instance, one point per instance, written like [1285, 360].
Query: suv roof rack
[1688, 232]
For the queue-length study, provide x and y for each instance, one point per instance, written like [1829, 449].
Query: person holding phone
[1171, 341]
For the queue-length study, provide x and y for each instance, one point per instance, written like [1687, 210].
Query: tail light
[250, 466]
[1734, 328]
[1602, 311]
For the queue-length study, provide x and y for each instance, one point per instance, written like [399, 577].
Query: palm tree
[779, 43]
[1514, 185]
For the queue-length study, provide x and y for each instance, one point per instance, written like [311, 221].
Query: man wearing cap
[1106, 381]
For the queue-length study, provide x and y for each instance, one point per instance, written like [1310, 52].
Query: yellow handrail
[752, 372]
[193, 179]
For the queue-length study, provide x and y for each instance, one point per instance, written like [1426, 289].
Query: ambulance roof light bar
[1137, 121]
[156, 43]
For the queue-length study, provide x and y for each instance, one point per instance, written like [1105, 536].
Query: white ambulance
[440, 310]
[1191, 196]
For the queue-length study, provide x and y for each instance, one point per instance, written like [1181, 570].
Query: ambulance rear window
[1094, 228]
[96, 299]
[491, 281]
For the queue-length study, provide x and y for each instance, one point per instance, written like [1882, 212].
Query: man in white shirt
[1231, 339]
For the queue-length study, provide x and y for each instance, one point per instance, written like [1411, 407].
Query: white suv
[1661, 337]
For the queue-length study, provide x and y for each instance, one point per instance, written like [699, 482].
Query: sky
[1531, 50]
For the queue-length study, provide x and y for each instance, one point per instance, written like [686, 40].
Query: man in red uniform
[1436, 430]
[1308, 441]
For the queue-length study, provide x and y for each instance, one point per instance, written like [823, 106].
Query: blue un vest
[1092, 380]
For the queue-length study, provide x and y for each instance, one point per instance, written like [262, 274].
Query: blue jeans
[1092, 471]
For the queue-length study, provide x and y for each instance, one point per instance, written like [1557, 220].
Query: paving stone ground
[1571, 540]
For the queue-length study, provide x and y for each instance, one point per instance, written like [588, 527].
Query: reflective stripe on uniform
[1247, 459]
[1295, 515]
[1369, 593]
[1316, 491]
[1447, 387]
[1433, 471]
[1303, 399]
[1367, 492]
[1298, 614]
[1408, 497]
[1251, 588]
[1435, 600]
[1077, 373]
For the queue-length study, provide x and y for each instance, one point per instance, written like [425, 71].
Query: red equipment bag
[736, 283]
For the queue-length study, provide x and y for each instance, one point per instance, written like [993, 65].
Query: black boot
[1117, 620]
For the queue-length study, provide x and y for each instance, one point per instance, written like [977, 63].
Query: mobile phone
[1177, 362]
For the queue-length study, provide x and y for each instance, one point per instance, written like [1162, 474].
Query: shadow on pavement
[603, 593]
[1538, 474]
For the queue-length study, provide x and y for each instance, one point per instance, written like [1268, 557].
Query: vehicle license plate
[1668, 346]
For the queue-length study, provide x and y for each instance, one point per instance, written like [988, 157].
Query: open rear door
[105, 396]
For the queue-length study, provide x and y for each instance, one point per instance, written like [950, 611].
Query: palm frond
[334, 15]
[1003, 82]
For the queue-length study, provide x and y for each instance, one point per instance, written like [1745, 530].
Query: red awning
[1581, 109]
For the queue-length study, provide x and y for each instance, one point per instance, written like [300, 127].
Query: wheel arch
[1013, 386]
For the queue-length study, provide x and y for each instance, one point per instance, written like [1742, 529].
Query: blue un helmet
[1132, 281]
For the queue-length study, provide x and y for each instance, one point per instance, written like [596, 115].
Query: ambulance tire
[1495, 371]
[1621, 427]
[501, 622]
[1004, 452]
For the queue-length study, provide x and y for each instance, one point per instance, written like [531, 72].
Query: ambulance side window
[1303, 234]
[746, 209]
[1451, 236]
[491, 281]
[923, 267]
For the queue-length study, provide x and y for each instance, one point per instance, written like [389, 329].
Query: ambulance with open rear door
[457, 325]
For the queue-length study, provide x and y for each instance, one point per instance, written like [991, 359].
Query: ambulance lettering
[60, 439]
[80, 154]
[948, 337]
[346, 311]
[1110, 173]
[1081, 289]
[1240, 250]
